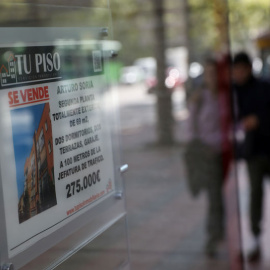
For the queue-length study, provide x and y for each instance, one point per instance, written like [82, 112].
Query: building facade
[39, 187]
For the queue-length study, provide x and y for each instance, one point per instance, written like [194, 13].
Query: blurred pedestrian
[252, 97]
[203, 156]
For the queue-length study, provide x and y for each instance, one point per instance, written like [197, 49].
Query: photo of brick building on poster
[33, 148]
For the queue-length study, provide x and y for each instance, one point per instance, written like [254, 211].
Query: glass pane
[175, 108]
[59, 132]
[59, 13]
[174, 103]
[107, 251]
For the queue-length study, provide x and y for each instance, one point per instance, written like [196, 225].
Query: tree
[164, 102]
[247, 18]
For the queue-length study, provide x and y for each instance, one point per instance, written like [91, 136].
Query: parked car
[172, 81]
[131, 75]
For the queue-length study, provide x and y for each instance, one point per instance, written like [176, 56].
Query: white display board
[57, 160]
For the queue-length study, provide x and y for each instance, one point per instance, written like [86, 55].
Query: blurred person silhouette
[252, 98]
[203, 154]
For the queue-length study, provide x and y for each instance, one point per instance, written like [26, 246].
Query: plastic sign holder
[61, 179]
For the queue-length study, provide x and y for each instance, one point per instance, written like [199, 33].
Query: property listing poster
[56, 158]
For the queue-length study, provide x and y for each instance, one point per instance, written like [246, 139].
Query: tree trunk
[164, 102]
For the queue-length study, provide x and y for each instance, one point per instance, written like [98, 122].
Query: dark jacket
[253, 98]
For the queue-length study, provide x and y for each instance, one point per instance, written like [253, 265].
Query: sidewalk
[166, 225]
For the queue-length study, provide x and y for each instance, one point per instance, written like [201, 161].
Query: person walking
[252, 99]
[203, 155]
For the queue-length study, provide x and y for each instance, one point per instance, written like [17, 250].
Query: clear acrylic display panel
[46, 22]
